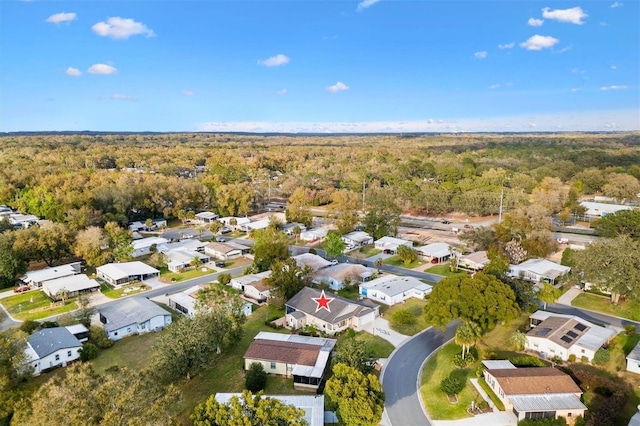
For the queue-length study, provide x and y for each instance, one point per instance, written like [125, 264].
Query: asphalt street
[594, 317]
[401, 376]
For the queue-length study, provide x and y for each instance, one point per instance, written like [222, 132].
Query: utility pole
[500, 211]
[363, 186]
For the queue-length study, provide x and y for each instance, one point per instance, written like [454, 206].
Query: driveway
[401, 376]
[380, 327]
[382, 256]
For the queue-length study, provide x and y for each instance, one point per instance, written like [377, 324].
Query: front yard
[629, 309]
[169, 277]
[35, 305]
[396, 261]
[126, 290]
[444, 270]
[416, 307]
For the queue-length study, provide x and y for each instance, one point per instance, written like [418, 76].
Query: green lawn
[34, 305]
[173, 277]
[629, 309]
[366, 251]
[444, 270]
[396, 261]
[350, 292]
[133, 352]
[492, 395]
[380, 347]
[416, 307]
[437, 368]
[127, 290]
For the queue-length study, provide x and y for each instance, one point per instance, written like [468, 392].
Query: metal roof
[392, 285]
[546, 402]
[127, 269]
[71, 283]
[498, 364]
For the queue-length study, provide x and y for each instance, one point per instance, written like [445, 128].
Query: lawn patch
[133, 352]
[380, 347]
[173, 277]
[35, 305]
[350, 292]
[629, 309]
[492, 395]
[126, 290]
[444, 270]
[416, 307]
[396, 261]
[437, 368]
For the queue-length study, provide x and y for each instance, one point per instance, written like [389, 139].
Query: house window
[68, 353]
[57, 357]
[582, 351]
[273, 365]
[501, 393]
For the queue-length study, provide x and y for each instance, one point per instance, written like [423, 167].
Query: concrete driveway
[380, 327]
[382, 256]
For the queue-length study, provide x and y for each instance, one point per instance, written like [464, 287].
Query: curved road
[401, 376]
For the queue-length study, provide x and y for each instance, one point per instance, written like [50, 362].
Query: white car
[334, 262]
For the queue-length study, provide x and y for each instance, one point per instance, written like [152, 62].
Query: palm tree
[296, 231]
[200, 229]
[195, 262]
[467, 335]
[378, 263]
[548, 294]
[518, 340]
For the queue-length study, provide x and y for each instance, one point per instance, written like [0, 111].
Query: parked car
[446, 222]
[221, 264]
[434, 260]
[21, 289]
[468, 226]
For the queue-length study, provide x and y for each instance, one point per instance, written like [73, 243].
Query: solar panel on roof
[566, 339]
[543, 331]
[580, 327]
[572, 334]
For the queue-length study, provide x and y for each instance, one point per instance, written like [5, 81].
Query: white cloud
[59, 18]
[575, 89]
[73, 72]
[533, 22]
[613, 67]
[480, 55]
[188, 92]
[121, 28]
[507, 45]
[565, 49]
[605, 88]
[494, 86]
[538, 42]
[616, 4]
[532, 125]
[365, 4]
[338, 87]
[102, 69]
[282, 92]
[119, 97]
[575, 15]
[274, 61]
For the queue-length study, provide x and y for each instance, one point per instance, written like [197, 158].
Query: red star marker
[323, 302]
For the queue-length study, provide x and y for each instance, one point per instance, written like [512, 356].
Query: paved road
[594, 317]
[401, 376]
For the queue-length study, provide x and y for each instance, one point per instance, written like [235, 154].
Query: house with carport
[239, 222]
[257, 290]
[50, 348]
[391, 244]
[183, 259]
[392, 289]
[225, 251]
[118, 274]
[73, 286]
[357, 239]
[240, 282]
[538, 271]
[303, 358]
[146, 245]
[597, 210]
[435, 252]
[311, 260]
[37, 278]
[339, 275]
[561, 335]
[473, 262]
[186, 302]
[315, 234]
[302, 310]
[133, 315]
[205, 218]
[288, 228]
[536, 392]
[189, 244]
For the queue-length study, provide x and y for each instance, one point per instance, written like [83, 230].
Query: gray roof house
[133, 315]
[633, 360]
[52, 347]
[302, 310]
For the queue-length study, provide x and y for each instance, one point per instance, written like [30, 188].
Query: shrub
[557, 359]
[483, 405]
[403, 316]
[560, 421]
[630, 330]
[270, 323]
[88, 352]
[29, 326]
[256, 377]
[98, 338]
[461, 363]
[602, 356]
[224, 279]
[451, 386]
[526, 361]
[584, 359]
[572, 358]
[313, 251]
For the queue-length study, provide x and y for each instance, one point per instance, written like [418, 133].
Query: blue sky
[320, 66]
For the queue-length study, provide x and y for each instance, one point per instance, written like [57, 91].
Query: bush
[256, 377]
[483, 405]
[602, 356]
[98, 338]
[224, 279]
[269, 323]
[403, 316]
[630, 330]
[88, 352]
[29, 326]
[560, 421]
[572, 358]
[584, 359]
[526, 361]
[451, 386]
[313, 251]
[462, 363]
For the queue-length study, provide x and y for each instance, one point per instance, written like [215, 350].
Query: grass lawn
[172, 277]
[437, 368]
[396, 261]
[133, 352]
[499, 339]
[416, 307]
[366, 251]
[35, 305]
[127, 290]
[444, 270]
[492, 395]
[629, 309]
[380, 347]
[350, 292]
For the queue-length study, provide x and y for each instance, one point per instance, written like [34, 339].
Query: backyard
[35, 305]
[628, 309]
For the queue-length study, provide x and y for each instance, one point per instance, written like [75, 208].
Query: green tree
[344, 209]
[451, 386]
[480, 238]
[255, 378]
[518, 340]
[215, 226]
[407, 254]
[119, 242]
[90, 245]
[196, 262]
[88, 351]
[621, 186]
[84, 397]
[359, 396]
[14, 368]
[612, 264]
[296, 231]
[11, 263]
[467, 335]
[382, 222]
[224, 278]
[524, 290]
[378, 263]
[85, 310]
[234, 199]
[623, 222]
[247, 410]
[298, 207]
[333, 244]
[287, 279]
[49, 243]
[148, 224]
[482, 299]
[270, 245]
[354, 353]
[498, 263]
[548, 294]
